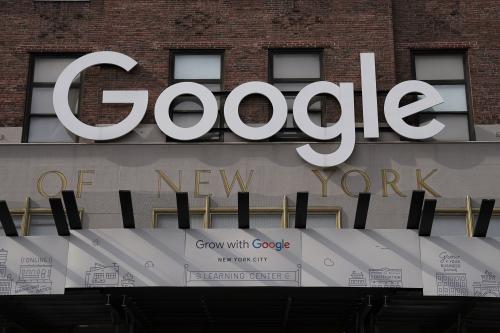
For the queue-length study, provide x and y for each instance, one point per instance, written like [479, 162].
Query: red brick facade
[148, 30]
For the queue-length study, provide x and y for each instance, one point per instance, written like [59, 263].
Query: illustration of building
[357, 279]
[5, 279]
[102, 276]
[451, 284]
[488, 286]
[386, 278]
[128, 280]
[34, 279]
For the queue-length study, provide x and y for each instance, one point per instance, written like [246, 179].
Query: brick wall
[147, 30]
[455, 24]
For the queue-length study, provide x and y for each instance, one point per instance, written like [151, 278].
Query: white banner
[125, 258]
[253, 257]
[33, 265]
[461, 266]
[361, 258]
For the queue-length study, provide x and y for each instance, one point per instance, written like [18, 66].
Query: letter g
[139, 98]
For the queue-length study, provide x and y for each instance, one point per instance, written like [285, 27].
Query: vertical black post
[127, 209]
[182, 210]
[415, 213]
[72, 209]
[301, 210]
[483, 218]
[6, 219]
[59, 216]
[425, 227]
[362, 210]
[243, 210]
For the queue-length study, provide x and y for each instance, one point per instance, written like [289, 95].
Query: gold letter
[39, 183]
[79, 187]
[163, 175]
[237, 177]
[197, 183]
[368, 183]
[422, 185]
[324, 182]
[393, 182]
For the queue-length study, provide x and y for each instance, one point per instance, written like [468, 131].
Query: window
[41, 123]
[290, 71]
[263, 219]
[41, 225]
[449, 222]
[203, 67]
[327, 219]
[447, 72]
[169, 220]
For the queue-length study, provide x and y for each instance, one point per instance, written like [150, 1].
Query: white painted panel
[361, 258]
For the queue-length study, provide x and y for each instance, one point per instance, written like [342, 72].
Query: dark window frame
[466, 82]
[295, 133]
[220, 128]
[31, 85]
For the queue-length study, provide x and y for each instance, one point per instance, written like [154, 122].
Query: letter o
[206, 122]
[39, 183]
[241, 129]
[363, 174]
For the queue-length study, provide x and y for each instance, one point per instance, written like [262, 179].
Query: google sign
[344, 93]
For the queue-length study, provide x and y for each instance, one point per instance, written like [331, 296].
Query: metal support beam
[127, 209]
[362, 210]
[301, 210]
[415, 212]
[182, 210]
[483, 218]
[59, 216]
[243, 210]
[425, 226]
[72, 210]
[6, 219]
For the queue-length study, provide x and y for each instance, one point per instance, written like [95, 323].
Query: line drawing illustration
[357, 279]
[488, 286]
[451, 284]
[102, 276]
[5, 279]
[385, 277]
[128, 280]
[34, 279]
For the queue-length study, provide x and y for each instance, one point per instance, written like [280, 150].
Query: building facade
[451, 45]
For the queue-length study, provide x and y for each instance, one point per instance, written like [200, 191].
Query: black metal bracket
[59, 216]
[6, 219]
[182, 210]
[301, 210]
[127, 209]
[415, 212]
[425, 226]
[362, 210]
[72, 210]
[243, 210]
[483, 218]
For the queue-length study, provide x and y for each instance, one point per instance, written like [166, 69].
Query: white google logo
[344, 93]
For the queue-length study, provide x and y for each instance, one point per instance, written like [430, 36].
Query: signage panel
[460, 266]
[235, 257]
[33, 265]
[361, 258]
[125, 258]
